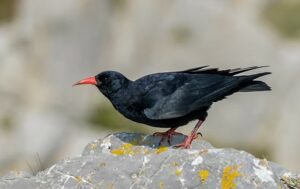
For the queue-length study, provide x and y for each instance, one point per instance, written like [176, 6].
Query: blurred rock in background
[46, 46]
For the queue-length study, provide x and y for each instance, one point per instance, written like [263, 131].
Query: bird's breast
[128, 109]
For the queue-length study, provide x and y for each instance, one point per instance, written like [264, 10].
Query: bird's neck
[121, 97]
[116, 92]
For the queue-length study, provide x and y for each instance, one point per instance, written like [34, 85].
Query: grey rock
[132, 160]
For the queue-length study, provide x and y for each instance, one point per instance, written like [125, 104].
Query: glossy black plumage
[172, 99]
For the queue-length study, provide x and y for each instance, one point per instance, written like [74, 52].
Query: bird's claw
[166, 135]
[199, 133]
[183, 145]
[188, 141]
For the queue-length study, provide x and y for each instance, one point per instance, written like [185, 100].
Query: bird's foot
[188, 141]
[166, 135]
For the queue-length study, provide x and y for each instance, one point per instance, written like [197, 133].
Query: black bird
[172, 99]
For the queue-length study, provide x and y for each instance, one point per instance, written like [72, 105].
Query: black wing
[193, 91]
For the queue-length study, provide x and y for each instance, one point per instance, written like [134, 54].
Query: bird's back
[177, 97]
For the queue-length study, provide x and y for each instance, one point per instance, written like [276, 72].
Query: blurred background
[46, 46]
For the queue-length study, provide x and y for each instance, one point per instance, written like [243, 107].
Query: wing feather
[192, 89]
[192, 95]
[228, 72]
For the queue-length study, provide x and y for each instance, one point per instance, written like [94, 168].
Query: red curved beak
[87, 81]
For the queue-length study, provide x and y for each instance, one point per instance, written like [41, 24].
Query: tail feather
[241, 70]
[255, 85]
[229, 72]
[254, 76]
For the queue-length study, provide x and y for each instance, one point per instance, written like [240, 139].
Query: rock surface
[130, 160]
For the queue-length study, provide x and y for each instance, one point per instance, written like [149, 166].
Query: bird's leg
[167, 135]
[189, 139]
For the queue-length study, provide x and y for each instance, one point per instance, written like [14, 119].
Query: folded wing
[199, 88]
[196, 92]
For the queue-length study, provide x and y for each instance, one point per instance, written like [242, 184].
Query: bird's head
[108, 82]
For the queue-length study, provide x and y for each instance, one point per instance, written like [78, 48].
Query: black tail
[256, 86]
[252, 85]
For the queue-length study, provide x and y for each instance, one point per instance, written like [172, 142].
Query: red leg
[188, 140]
[167, 135]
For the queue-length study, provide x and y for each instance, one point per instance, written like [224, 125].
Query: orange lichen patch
[203, 174]
[126, 149]
[161, 149]
[230, 173]
[178, 172]
[161, 184]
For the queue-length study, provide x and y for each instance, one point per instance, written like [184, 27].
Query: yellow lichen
[230, 173]
[136, 141]
[204, 151]
[79, 179]
[146, 151]
[161, 149]
[93, 146]
[130, 149]
[102, 164]
[264, 162]
[126, 149]
[178, 172]
[89, 179]
[161, 184]
[203, 174]
[118, 152]
[175, 164]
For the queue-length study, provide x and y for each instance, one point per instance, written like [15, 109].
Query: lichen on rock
[133, 160]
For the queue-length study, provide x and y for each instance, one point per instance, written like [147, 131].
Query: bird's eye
[104, 78]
